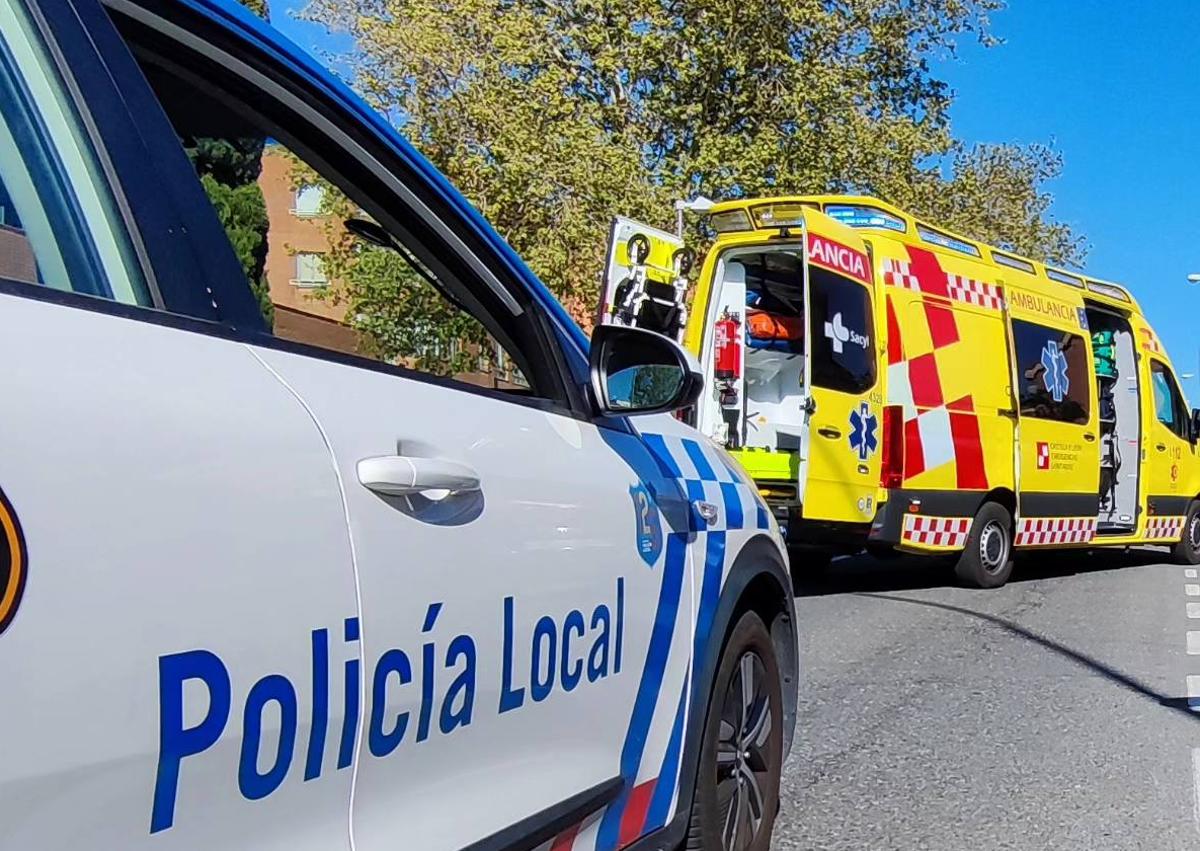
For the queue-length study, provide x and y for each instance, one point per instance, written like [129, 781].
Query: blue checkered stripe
[709, 476]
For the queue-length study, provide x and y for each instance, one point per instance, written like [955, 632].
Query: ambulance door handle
[831, 433]
[1088, 436]
[398, 475]
[1161, 447]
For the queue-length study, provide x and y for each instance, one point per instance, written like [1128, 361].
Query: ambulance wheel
[1187, 551]
[987, 560]
[736, 797]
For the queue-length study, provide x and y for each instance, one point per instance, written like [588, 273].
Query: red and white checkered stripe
[1165, 528]
[898, 273]
[936, 531]
[1043, 456]
[974, 292]
[1050, 531]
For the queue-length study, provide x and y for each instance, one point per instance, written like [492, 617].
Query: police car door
[522, 643]
[839, 467]
[510, 563]
[171, 522]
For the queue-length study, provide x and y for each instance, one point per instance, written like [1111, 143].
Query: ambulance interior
[763, 291]
[1118, 394]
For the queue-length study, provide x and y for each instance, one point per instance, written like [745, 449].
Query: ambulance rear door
[645, 279]
[839, 449]
[1059, 453]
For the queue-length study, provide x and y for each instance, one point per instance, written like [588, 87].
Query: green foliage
[403, 318]
[399, 315]
[553, 116]
[244, 217]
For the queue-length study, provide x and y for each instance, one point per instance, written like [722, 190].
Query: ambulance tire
[746, 786]
[1187, 551]
[986, 562]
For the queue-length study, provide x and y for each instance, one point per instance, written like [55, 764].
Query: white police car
[257, 593]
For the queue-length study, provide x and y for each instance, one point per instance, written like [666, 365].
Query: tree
[399, 315]
[228, 171]
[553, 116]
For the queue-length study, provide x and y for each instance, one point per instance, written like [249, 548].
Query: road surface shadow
[863, 573]
[1083, 660]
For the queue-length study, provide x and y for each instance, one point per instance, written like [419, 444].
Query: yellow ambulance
[888, 383]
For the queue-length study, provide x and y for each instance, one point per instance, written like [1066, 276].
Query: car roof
[236, 19]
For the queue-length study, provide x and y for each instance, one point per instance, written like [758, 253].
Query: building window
[310, 270]
[308, 201]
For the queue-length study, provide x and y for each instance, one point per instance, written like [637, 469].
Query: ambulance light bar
[730, 221]
[945, 240]
[782, 215]
[1064, 278]
[1110, 290]
[862, 216]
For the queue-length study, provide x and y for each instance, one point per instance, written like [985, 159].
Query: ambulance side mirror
[635, 371]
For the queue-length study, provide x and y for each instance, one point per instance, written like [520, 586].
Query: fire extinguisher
[726, 347]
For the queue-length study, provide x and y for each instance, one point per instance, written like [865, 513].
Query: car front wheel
[736, 797]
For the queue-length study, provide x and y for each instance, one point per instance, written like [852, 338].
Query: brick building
[297, 241]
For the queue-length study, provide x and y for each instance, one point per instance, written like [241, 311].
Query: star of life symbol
[1055, 377]
[863, 425]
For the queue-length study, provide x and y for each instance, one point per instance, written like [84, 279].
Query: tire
[1187, 551]
[736, 796]
[987, 560]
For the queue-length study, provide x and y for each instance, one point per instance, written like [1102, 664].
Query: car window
[324, 272]
[58, 224]
[1168, 401]
[841, 330]
[1053, 375]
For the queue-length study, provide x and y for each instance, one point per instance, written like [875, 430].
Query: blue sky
[1115, 87]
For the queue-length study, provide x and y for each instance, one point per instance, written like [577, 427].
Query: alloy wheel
[743, 768]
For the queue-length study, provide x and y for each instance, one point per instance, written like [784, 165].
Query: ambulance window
[1168, 401]
[842, 332]
[1053, 375]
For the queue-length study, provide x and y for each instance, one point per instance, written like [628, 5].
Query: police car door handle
[398, 475]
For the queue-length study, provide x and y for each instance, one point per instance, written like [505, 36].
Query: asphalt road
[1048, 714]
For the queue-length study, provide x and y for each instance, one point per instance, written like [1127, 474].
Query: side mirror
[635, 371]
[1195, 430]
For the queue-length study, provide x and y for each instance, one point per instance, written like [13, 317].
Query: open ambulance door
[645, 279]
[839, 468]
[1058, 446]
